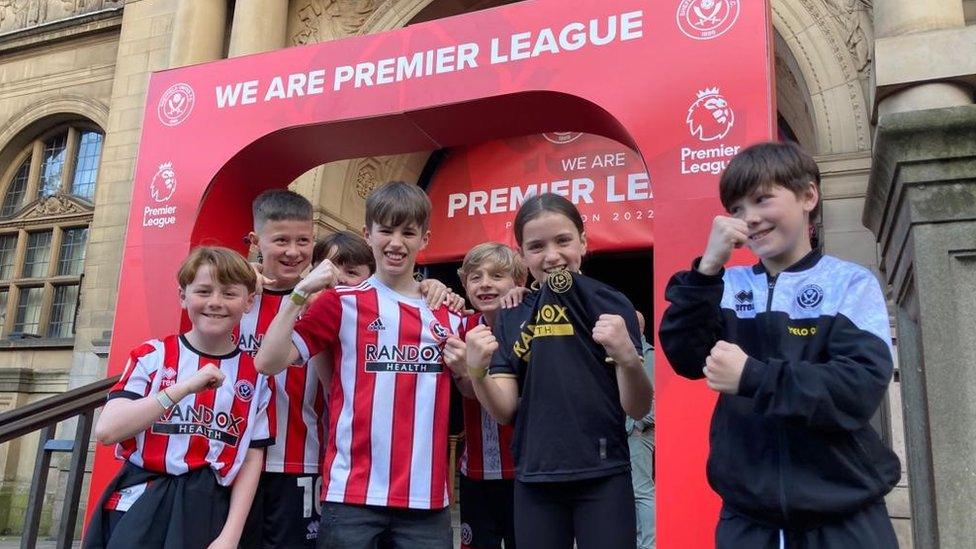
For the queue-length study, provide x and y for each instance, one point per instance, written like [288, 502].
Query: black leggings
[598, 512]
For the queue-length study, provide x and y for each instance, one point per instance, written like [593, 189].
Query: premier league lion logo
[163, 183]
[710, 117]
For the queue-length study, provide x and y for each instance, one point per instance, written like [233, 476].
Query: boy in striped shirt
[489, 272]
[189, 415]
[385, 465]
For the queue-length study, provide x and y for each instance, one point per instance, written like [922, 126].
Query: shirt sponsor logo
[800, 331]
[201, 421]
[250, 343]
[550, 320]
[409, 359]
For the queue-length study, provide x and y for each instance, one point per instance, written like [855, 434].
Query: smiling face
[485, 285]
[214, 309]
[395, 248]
[778, 223]
[551, 242]
[286, 250]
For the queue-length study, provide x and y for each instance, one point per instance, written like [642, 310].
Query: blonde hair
[227, 267]
[504, 258]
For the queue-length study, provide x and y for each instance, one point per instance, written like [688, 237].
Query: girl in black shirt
[567, 367]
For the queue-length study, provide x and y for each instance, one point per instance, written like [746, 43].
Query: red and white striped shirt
[299, 400]
[212, 428]
[487, 444]
[389, 397]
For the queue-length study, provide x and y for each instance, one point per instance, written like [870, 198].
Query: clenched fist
[727, 234]
[480, 345]
[724, 366]
[208, 377]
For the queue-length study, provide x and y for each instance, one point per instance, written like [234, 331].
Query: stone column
[894, 19]
[259, 25]
[921, 205]
[198, 32]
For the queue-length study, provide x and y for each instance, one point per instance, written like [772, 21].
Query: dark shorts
[868, 527]
[487, 513]
[598, 512]
[285, 512]
[347, 526]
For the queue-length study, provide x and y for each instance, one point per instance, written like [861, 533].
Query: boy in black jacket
[799, 349]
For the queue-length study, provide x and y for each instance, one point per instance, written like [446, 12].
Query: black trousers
[598, 512]
[869, 527]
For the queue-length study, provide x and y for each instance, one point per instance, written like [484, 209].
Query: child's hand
[436, 293]
[262, 280]
[514, 297]
[727, 234]
[723, 367]
[454, 355]
[208, 377]
[324, 275]
[611, 332]
[480, 344]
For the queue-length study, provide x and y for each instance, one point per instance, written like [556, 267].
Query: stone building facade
[73, 77]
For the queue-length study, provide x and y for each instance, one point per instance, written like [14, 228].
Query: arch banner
[481, 187]
[684, 83]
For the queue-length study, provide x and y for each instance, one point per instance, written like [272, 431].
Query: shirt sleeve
[137, 377]
[318, 328]
[262, 434]
[503, 361]
[692, 323]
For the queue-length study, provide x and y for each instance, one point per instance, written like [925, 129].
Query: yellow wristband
[477, 373]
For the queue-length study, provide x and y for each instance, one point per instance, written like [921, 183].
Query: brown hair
[766, 164]
[536, 205]
[398, 203]
[227, 267]
[280, 205]
[504, 258]
[346, 248]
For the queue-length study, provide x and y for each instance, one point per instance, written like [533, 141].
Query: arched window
[46, 206]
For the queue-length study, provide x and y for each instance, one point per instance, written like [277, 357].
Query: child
[285, 512]
[385, 466]
[189, 416]
[568, 362]
[489, 272]
[799, 350]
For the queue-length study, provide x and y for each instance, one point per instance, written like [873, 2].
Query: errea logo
[744, 301]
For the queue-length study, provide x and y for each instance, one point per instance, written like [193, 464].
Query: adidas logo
[376, 326]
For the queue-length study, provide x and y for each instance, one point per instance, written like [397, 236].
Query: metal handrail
[31, 417]
[45, 415]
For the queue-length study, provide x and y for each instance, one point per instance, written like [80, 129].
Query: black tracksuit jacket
[794, 447]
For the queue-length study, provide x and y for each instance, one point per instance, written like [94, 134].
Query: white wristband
[164, 400]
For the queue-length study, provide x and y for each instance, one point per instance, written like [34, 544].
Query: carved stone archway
[828, 44]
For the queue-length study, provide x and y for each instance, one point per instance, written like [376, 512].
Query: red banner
[684, 82]
[482, 186]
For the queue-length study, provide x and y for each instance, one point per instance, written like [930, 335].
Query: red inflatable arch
[686, 83]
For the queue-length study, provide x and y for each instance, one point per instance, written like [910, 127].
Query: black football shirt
[569, 424]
